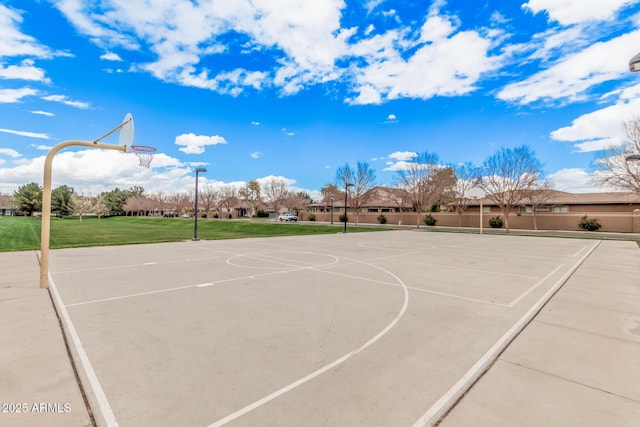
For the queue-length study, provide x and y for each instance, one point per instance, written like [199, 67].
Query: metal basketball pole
[46, 201]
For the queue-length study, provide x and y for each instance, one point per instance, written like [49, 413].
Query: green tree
[29, 198]
[136, 190]
[114, 200]
[62, 200]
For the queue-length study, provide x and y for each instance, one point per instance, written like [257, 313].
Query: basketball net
[144, 153]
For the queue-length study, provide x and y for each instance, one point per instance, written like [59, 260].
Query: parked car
[287, 217]
[184, 216]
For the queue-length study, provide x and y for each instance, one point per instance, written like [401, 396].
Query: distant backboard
[475, 193]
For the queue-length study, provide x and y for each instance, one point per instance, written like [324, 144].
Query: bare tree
[614, 170]
[465, 180]
[508, 176]
[82, 205]
[425, 181]
[227, 201]
[250, 193]
[362, 179]
[100, 205]
[208, 197]
[330, 193]
[275, 192]
[181, 202]
[539, 195]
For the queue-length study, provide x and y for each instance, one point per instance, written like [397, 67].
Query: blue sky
[297, 88]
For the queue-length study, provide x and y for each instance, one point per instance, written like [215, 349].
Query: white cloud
[264, 180]
[443, 61]
[42, 147]
[574, 180]
[255, 123]
[305, 40]
[599, 129]
[195, 144]
[574, 74]
[66, 101]
[92, 171]
[9, 152]
[568, 12]
[9, 96]
[256, 154]
[110, 56]
[288, 132]
[397, 166]
[25, 133]
[15, 43]
[403, 155]
[25, 71]
[42, 113]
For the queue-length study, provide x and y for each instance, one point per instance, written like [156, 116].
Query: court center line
[448, 399]
[98, 393]
[325, 368]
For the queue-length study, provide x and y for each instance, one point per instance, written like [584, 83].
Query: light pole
[346, 191]
[195, 219]
[332, 209]
[634, 66]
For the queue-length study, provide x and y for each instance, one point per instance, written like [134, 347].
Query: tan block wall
[614, 222]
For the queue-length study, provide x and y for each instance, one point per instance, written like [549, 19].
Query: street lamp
[346, 191]
[195, 220]
[332, 209]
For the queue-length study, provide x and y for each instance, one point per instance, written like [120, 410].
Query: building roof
[563, 198]
[7, 202]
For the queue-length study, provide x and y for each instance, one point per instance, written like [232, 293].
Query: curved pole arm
[46, 201]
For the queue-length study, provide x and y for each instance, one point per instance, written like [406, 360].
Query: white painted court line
[201, 285]
[452, 395]
[286, 263]
[123, 266]
[325, 368]
[98, 393]
[159, 291]
[540, 282]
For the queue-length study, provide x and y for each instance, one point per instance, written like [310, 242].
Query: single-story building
[8, 205]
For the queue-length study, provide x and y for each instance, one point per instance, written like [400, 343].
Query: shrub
[496, 222]
[312, 217]
[382, 219]
[344, 218]
[589, 224]
[262, 214]
[429, 220]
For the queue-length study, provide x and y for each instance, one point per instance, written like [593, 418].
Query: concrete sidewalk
[37, 383]
[577, 363]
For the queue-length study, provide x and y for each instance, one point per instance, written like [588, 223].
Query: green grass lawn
[23, 233]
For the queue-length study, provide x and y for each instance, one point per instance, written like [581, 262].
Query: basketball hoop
[145, 154]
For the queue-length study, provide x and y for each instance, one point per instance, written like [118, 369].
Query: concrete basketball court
[370, 329]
